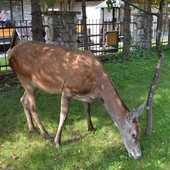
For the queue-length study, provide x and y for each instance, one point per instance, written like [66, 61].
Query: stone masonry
[61, 28]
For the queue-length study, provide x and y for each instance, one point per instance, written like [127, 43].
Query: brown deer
[75, 75]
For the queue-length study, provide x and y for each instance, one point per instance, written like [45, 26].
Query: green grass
[3, 63]
[3, 59]
[102, 150]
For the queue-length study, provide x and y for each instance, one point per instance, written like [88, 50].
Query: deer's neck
[112, 102]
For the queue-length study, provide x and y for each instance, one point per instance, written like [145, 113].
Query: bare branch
[158, 69]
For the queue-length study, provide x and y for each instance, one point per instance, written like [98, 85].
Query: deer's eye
[134, 135]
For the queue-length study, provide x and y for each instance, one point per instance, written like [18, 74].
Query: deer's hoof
[47, 136]
[91, 129]
[57, 145]
[32, 130]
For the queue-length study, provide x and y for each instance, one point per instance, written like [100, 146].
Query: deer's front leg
[63, 115]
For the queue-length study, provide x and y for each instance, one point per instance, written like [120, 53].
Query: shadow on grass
[75, 155]
[10, 114]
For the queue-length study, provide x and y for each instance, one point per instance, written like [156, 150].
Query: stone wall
[61, 28]
[139, 30]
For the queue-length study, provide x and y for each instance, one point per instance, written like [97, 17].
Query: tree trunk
[37, 26]
[126, 33]
[157, 70]
[84, 25]
[149, 29]
[169, 34]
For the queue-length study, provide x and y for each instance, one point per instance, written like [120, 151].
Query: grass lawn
[3, 63]
[102, 150]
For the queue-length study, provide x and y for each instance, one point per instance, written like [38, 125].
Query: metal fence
[103, 37]
[107, 37]
[11, 35]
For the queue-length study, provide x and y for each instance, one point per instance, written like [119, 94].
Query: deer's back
[52, 68]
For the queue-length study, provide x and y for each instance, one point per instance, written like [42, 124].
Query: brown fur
[71, 73]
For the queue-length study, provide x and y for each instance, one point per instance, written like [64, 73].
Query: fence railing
[11, 35]
[103, 37]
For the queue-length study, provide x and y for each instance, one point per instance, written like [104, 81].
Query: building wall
[91, 11]
[27, 12]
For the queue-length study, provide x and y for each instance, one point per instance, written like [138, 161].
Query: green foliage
[48, 3]
[82, 149]
[109, 5]
[45, 4]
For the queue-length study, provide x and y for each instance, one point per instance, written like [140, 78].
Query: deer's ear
[136, 113]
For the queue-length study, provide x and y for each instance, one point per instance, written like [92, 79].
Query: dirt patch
[8, 82]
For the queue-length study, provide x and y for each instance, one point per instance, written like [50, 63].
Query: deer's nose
[138, 156]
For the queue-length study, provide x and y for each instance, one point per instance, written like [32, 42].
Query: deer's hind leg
[88, 113]
[28, 102]
[27, 113]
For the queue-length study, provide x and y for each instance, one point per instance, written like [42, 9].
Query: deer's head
[130, 133]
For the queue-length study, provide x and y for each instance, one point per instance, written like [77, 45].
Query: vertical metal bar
[11, 12]
[22, 10]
